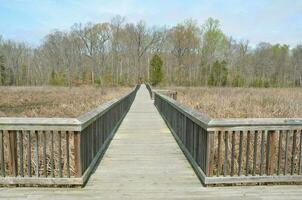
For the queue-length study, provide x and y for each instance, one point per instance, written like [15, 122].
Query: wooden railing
[58, 151]
[169, 93]
[148, 86]
[231, 151]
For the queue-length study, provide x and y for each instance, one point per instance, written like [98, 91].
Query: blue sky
[275, 21]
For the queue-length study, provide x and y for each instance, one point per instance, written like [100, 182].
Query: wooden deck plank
[144, 161]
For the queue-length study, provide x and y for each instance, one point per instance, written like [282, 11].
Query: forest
[123, 53]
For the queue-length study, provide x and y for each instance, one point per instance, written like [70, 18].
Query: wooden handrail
[72, 124]
[228, 122]
[170, 93]
[198, 117]
[227, 151]
[58, 151]
[148, 86]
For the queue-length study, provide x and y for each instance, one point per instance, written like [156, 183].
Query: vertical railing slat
[270, 152]
[12, 153]
[60, 154]
[44, 153]
[67, 154]
[2, 154]
[240, 153]
[255, 153]
[29, 154]
[37, 153]
[279, 152]
[226, 152]
[233, 153]
[286, 153]
[292, 170]
[262, 153]
[20, 133]
[300, 160]
[77, 153]
[52, 163]
[247, 164]
[209, 153]
[219, 153]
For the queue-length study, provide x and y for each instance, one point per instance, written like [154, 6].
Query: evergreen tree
[219, 74]
[57, 79]
[156, 73]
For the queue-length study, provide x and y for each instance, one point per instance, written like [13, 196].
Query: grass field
[54, 101]
[242, 102]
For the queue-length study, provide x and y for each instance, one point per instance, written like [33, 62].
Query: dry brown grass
[49, 102]
[54, 101]
[243, 102]
[250, 102]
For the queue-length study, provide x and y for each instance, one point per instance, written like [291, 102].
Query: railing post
[77, 154]
[174, 95]
[210, 154]
[2, 154]
[12, 153]
[271, 151]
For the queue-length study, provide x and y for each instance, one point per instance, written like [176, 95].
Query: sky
[274, 21]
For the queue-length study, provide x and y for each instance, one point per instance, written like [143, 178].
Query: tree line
[123, 53]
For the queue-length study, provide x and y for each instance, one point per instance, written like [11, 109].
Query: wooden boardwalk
[143, 161]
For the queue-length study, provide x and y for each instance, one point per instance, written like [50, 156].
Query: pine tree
[219, 74]
[57, 79]
[156, 73]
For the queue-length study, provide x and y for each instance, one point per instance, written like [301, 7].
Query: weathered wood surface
[59, 124]
[143, 161]
[231, 150]
[49, 149]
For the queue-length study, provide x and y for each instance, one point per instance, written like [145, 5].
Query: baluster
[279, 152]
[219, 153]
[44, 153]
[270, 152]
[52, 163]
[286, 153]
[226, 152]
[37, 152]
[2, 154]
[12, 153]
[77, 154]
[300, 164]
[262, 153]
[194, 145]
[247, 165]
[293, 152]
[255, 153]
[67, 154]
[29, 154]
[240, 153]
[197, 144]
[233, 153]
[21, 153]
[209, 153]
[60, 154]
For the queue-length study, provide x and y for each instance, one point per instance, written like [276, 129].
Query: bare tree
[118, 52]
